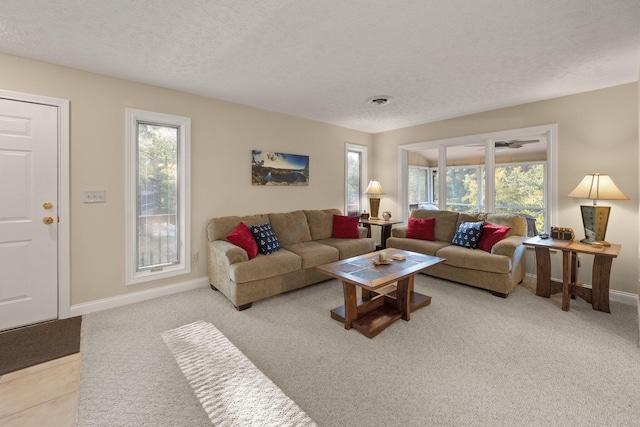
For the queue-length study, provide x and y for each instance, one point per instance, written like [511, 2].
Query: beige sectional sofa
[499, 271]
[305, 238]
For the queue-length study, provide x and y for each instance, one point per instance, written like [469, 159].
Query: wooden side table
[598, 295]
[386, 229]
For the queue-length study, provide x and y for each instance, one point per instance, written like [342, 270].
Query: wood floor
[41, 395]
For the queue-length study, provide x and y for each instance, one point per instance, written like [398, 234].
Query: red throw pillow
[241, 236]
[422, 228]
[491, 234]
[345, 227]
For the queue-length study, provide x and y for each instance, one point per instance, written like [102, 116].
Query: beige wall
[597, 132]
[223, 135]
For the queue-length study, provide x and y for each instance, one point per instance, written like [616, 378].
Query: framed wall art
[273, 168]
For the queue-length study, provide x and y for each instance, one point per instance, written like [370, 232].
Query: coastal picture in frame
[273, 168]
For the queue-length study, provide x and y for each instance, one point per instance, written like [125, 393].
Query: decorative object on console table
[374, 189]
[386, 215]
[596, 186]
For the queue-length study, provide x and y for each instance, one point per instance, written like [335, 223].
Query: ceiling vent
[379, 100]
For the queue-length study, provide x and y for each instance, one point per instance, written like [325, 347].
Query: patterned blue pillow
[468, 234]
[266, 240]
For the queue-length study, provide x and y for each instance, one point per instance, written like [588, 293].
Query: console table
[598, 295]
[386, 229]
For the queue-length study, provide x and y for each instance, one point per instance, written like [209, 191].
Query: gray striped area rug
[231, 389]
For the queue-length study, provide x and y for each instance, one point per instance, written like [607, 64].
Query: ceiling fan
[503, 145]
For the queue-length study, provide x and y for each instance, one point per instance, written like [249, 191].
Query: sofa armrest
[362, 232]
[221, 255]
[399, 231]
[507, 246]
[223, 251]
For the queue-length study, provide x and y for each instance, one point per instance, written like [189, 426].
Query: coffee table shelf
[374, 320]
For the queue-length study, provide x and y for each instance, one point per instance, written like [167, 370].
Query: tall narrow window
[355, 178]
[158, 194]
[418, 185]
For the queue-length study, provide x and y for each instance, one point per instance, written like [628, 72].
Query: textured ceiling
[323, 59]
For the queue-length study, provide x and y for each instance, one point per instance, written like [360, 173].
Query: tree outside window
[157, 195]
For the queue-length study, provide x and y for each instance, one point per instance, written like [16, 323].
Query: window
[512, 171]
[464, 189]
[158, 193]
[356, 179]
[418, 185]
[520, 188]
[422, 182]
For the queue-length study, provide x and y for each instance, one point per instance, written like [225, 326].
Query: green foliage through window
[157, 195]
[353, 182]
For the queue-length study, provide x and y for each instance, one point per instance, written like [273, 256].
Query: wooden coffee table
[387, 290]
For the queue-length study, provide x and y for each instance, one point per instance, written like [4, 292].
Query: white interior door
[28, 213]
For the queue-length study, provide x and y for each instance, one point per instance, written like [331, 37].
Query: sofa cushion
[474, 259]
[351, 247]
[219, 228]
[314, 253]
[290, 227]
[265, 238]
[517, 223]
[345, 227]
[468, 234]
[265, 266]
[446, 222]
[492, 234]
[426, 247]
[421, 228]
[321, 222]
[242, 236]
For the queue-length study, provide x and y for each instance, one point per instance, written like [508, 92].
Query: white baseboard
[120, 300]
[617, 296]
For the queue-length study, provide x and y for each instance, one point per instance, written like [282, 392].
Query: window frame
[183, 124]
[549, 132]
[363, 150]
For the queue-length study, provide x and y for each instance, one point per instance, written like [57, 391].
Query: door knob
[47, 205]
[47, 220]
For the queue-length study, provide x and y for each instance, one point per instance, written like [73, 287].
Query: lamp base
[374, 204]
[595, 243]
[595, 220]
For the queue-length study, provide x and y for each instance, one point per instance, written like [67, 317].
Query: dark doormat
[35, 344]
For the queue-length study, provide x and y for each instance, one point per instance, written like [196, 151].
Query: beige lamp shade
[596, 186]
[374, 188]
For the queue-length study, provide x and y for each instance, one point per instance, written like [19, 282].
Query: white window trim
[550, 132]
[134, 116]
[364, 176]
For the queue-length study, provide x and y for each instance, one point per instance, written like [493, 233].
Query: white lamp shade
[374, 187]
[597, 186]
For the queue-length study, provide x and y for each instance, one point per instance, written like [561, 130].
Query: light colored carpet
[231, 389]
[468, 359]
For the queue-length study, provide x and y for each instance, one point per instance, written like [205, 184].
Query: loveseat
[306, 240]
[498, 271]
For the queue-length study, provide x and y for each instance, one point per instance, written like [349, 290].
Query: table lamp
[596, 186]
[374, 188]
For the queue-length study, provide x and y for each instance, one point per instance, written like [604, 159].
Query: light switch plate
[96, 196]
